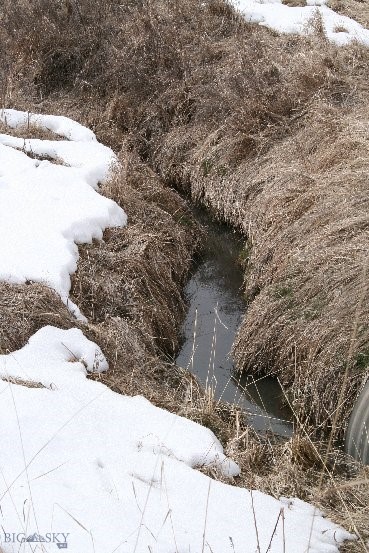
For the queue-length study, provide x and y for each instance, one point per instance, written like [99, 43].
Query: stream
[216, 307]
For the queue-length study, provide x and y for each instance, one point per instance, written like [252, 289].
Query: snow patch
[92, 158]
[63, 126]
[339, 29]
[115, 473]
[47, 208]
[316, 2]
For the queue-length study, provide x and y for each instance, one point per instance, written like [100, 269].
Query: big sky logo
[57, 538]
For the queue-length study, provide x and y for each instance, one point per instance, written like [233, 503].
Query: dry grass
[270, 137]
[138, 272]
[130, 284]
[26, 308]
[294, 3]
[307, 271]
[292, 470]
[356, 9]
[25, 383]
[298, 467]
[267, 131]
[29, 131]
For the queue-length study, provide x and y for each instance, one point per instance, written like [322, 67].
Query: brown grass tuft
[26, 308]
[25, 383]
[294, 3]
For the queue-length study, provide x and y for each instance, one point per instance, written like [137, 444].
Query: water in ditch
[216, 308]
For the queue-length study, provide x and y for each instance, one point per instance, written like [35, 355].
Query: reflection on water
[215, 312]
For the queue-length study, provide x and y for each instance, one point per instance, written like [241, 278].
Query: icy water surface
[216, 307]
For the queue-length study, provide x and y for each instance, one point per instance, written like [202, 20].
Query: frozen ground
[49, 200]
[339, 29]
[101, 472]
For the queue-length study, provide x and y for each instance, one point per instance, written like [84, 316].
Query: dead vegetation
[28, 131]
[269, 132]
[294, 3]
[138, 272]
[356, 9]
[25, 383]
[297, 468]
[26, 308]
[308, 267]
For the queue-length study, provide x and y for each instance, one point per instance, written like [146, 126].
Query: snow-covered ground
[47, 207]
[107, 473]
[339, 29]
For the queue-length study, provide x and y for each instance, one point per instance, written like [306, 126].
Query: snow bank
[92, 158]
[102, 472]
[47, 208]
[339, 29]
[63, 126]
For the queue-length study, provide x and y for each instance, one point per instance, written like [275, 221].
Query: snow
[316, 2]
[339, 29]
[93, 159]
[105, 472]
[47, 208]
[63, 126]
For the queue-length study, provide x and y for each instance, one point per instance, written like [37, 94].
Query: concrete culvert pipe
[357, 434]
